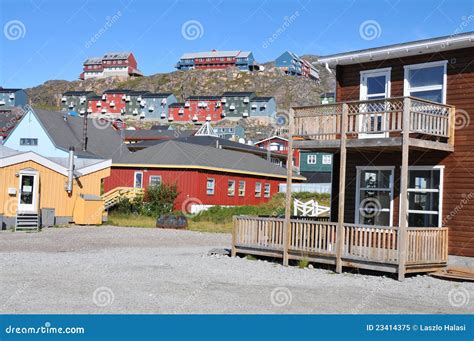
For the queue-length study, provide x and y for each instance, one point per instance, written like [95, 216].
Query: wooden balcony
[375, 123]
[362, 246]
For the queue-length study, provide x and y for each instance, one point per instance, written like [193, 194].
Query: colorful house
[44, 191]
[230, 132]
[262, 107]
[316, 167]
[114, 64]
[112, 103]
[157, 105]
[76, 101]
[205, 176]
[279, 145]
[293, 65]
[243, 60]
[197, 109]
[236, 105]
[13, 97]
[135, 104]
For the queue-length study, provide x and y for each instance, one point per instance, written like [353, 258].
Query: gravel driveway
[137, 270]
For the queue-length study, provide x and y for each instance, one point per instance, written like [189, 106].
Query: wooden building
[401, 133]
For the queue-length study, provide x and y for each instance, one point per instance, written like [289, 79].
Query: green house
[316, 167]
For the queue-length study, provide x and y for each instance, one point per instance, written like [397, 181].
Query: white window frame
[313, 158]
[243, 190]
[135, 179]
[212, 188]
[258, 193]
[154, 176]
[441, 189]
[406, 84]
[233, 188]
[367, 73]
[359, 169]
[326, 156]
[265, 193]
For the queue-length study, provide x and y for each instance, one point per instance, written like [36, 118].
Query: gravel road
[136, 270]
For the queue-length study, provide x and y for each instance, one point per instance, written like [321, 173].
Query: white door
[28, 193]
[375, 85]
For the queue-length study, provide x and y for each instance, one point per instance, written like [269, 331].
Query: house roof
[237, 94]
[452, 42]
[157, 94]
[8, 118]
[93, 61]
[272, 138]
[160, 127]
[103, 140]
[8, 90]
[205, 97]
[79, 93]
[10, 156]
[116, 55]
[177, 154]
[176, 105]
[218, 54]
[155, 134]
[116, 91]
[262, 99]
[137, 92]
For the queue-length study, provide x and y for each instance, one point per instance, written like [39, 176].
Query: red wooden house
[111, 103]
[401, 131]
[196, 109]
[113, 64]
[278, 144]
[205, 176]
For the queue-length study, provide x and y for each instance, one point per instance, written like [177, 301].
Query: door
[28, 193]
[375, 85]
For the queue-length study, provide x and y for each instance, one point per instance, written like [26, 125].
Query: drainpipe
[84, 133]
[70, 170]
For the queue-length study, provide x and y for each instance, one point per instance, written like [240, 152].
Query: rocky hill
[288, 90]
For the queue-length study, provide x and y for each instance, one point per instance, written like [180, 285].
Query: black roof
[9, 89]
[158, 94]
[156, 134]
[115, 91]
[79, 93]
[237, 94]
[137, 92]
[205, 97]
[176, 105]
[160, 127]
[262, 99]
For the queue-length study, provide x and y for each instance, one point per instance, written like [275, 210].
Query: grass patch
[303, 263]
[130, 220]
[207, 226]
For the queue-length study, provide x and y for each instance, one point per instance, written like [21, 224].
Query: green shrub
[159, 200]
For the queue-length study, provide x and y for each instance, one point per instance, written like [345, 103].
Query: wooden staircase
[112, 197]
[27, 222]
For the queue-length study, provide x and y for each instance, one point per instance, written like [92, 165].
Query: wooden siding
[458, 176]
[192, 185]
[51, 188]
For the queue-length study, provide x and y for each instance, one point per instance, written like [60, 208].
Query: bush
[159, 200]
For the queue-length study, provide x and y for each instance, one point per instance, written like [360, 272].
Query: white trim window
[138, 180]
[154, 180]
[374, 196]
[231, 188]
[312, 159]
[327, 159]
[425, 195]
[241, 188]
[258, 189]
[426, 81]
[267, 189]
[210, 186]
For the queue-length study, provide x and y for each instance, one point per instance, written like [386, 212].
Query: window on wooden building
[426, 81]
[258, 189]
[311, 159]
[138, 180]
[154, 180]
[231, 188]
[266, 193]
[210, 186]
[374, 196]
[424, 196]
[241, 188]
[327, 159]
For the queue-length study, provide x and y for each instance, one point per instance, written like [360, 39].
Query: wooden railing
[377, 244]
[112, 197]
[381, 118]
[427, 245]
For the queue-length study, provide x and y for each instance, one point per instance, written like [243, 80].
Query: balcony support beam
[288, 196]
[342, 188]
[403, 224]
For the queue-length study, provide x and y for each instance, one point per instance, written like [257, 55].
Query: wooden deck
[361, 246]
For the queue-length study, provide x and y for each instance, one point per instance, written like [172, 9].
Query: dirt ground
[144, 270]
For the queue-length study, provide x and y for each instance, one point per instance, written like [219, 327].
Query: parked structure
[76, 101]
[13, 98]
[114, 64]
[243, 60]
[205, 176]
[49, 190]
[400, 181]
[293, 65]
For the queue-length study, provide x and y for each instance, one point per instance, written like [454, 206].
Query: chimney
[70, 170]
[84, 132]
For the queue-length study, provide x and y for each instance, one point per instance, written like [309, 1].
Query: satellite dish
[242, 140]
[131, 128]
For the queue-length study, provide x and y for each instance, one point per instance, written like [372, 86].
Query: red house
[196, 109]
[205, 176]
[278, 144]
[112, 102]
[113, 64]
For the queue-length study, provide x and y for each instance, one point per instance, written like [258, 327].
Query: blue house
[13, 98]
[263, 106]
[214, 59]
[157, 104]
[290, 63]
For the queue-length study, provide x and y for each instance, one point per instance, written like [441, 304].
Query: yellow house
[36, 190]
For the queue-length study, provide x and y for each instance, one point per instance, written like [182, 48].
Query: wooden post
[452, 125]
[342, 190]
[289, 176]
[403, 224]
[234, 239]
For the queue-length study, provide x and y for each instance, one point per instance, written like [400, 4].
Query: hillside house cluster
[12, 104]
[242, 60]
[112, 64]
[115, 103]
[293, 65]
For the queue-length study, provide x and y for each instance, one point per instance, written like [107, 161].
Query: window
[154, 180]
[311, 159]
[426, 81]
[231, 188]
[138, 180]
[424, 196]
[258, 189]
[266, 194]
[241, 188]
[210, 186]
[327, 159]
[28, 142]
[374, 196]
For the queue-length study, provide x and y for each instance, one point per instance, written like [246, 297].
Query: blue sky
[54, 37]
